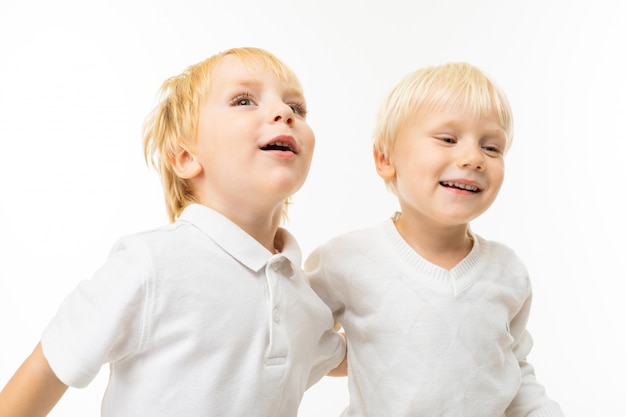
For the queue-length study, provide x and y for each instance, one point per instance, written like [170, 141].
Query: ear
[185, 165]
[384, 166]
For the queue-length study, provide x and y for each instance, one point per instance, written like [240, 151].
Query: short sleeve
[102, 319]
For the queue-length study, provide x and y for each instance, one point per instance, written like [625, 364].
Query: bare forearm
[34, 389]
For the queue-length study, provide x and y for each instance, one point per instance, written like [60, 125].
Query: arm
[318, 280]
[342, 368]
[531, 399]
[34, 389]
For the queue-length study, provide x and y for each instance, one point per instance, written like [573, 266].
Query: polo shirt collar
[236, 242]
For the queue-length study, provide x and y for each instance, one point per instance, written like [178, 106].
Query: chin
[287, 185]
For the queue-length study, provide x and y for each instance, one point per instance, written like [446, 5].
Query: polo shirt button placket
[276, 267]
[279, 340]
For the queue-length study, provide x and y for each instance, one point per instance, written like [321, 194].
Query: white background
[77, 79]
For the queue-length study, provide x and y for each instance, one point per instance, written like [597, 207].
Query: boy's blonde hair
[451, 85]
[171, 126]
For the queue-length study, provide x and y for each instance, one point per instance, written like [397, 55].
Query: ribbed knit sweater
[424, 341]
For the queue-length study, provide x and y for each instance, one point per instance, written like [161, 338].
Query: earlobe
[384, 166]
[185, 165]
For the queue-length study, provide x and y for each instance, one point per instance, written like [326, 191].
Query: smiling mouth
[279, 146]
[460, 186]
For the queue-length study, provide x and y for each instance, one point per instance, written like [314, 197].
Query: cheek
[307, 144]
[310, 140]
[416, 176]
[496, 175]
[415, 168]
[308, 137]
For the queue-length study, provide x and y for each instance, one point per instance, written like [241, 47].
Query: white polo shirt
[196, 318]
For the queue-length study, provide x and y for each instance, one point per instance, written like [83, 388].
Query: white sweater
[426, 341]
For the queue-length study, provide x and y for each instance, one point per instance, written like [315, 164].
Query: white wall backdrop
[77, 79]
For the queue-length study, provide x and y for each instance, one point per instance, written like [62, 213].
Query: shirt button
[276, 315]
[275, 267]
[289, 271]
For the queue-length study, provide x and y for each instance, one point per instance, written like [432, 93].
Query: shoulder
[496, 248]
[159, 238]
[349, 250]
[144, 253]
[503, 259]
[359, 239]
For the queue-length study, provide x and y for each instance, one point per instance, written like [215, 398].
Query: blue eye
[494, 147]
[298, 109]
[243, 100]
[495, 150]
[447, 139]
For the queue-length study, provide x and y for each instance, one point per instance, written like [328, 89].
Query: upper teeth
[283, 144]
[460, 185]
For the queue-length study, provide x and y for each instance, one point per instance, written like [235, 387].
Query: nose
[283, 113]
[472, 157]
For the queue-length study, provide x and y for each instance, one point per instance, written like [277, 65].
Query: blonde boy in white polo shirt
[210, 315]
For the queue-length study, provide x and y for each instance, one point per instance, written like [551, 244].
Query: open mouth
[460, 186]
[281, 146]
[277, 146]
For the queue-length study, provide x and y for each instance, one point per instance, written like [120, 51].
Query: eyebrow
[455, 123]
[289, 88]
[245, 82]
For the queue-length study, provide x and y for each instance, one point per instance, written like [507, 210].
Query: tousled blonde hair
[171, 126]
[451, 85]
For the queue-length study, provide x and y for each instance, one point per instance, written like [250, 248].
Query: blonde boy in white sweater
[435, 315]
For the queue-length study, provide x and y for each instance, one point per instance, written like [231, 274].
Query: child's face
[253, 142]
[447, 165]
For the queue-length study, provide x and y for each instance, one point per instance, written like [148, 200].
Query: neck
[262, 225]
[444, 246]
[263, 229]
